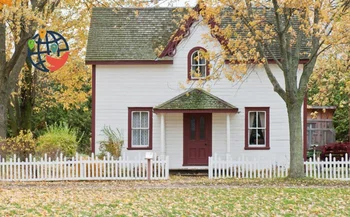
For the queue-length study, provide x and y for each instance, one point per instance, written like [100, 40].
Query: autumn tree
[330, 82]
[330, 85]
[18, 22]
[66, 86]
[282, 31]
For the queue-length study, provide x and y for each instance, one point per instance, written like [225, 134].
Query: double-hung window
[140, 128]
[257, 129]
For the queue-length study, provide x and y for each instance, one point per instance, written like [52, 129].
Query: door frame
[210, 140]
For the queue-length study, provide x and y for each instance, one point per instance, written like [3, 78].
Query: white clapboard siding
[79, 168]
[224, 167]
[328, 169]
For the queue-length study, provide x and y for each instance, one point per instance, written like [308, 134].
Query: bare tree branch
[277, 87]
[308, 67]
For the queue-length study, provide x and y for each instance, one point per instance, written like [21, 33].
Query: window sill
[256, 148]
[196, 79]
[145, 148]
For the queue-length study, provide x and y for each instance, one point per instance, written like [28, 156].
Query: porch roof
[195, 101]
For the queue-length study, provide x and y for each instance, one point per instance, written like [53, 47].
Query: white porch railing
[79, 168]
[328, 169]
[222, 167]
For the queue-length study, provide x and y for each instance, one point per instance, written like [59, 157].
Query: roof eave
[128, 62]
[233, 110]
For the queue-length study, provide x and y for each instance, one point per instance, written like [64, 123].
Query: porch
[192, 126]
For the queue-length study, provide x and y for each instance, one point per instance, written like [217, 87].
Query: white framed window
[197, 64]
[140, 128]
[257, 128]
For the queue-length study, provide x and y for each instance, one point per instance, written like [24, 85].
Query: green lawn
[177, 197]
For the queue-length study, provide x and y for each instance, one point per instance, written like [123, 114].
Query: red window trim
[247, 110]
[189, 66]
[136, 109]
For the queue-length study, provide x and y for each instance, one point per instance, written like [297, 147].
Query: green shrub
[21, 145]
[59, 138]
[113, 142]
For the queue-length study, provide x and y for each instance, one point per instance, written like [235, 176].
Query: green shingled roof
[195, 99]
[134, 33]
[129, 33]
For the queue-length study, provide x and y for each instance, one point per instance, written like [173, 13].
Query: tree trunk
[9, 70]
[3, 115]
[296, 141]
[12, 120]
[3, 78]
[27, 98]
[22, 103]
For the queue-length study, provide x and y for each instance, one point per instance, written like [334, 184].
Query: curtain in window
[140, 129]
[252, 131]
[261, 124]
[257, 126]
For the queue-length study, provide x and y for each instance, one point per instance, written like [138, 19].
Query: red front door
[197, 139]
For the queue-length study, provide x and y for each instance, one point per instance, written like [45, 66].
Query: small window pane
[252, 119]
[261, 119]
[252, 137]
[135, 137]
[195, 58]
[202, 128]
[144, 137]
[194, 69]
[202, 71]
[135, 119]
[193, 128]
[144, 119]
[202, 60]
[261, 137]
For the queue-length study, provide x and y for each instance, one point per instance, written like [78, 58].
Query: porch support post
[162, 134]
[228, 134]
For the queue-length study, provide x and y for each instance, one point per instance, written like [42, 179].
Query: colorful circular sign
[48, 51]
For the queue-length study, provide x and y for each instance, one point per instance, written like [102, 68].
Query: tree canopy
[290, 34]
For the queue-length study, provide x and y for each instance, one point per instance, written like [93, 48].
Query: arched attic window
[197, 64]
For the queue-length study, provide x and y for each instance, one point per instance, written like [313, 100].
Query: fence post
[167, 168]
[209, 168]
[149, 170]
[2, 168]
[347, 166]
[82, 168]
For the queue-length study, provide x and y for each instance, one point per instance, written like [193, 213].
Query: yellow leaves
[21, 145]
[136, 13]
[5, 2]
[176, 197]
[331, 78]
[186, 17]
[314, 115]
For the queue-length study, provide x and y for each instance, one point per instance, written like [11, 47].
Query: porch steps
[187, 172]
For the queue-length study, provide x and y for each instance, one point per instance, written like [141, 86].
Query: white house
[139, 93]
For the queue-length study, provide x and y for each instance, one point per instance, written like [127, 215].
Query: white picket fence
[328, 169]
[243, 167]
[79, 168]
